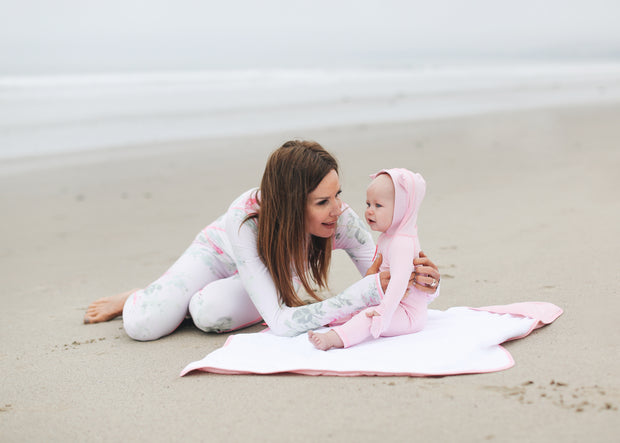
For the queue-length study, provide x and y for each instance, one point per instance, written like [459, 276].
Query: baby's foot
[107, 308]
[325, 341]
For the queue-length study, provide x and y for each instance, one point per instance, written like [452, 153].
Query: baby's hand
[372, 313]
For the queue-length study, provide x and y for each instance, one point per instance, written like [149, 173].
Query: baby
[393, 199]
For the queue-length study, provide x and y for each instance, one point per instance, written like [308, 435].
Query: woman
[249, 263]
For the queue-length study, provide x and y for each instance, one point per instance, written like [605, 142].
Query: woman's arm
[257, 281]
[356, 240]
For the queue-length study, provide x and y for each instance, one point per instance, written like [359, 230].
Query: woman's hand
[374, 268]
[425, 275]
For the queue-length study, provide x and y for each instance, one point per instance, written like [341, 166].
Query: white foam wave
[45, 115]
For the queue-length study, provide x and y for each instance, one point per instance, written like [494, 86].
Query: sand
[520, 206]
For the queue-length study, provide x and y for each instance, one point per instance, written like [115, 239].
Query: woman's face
[323, 207]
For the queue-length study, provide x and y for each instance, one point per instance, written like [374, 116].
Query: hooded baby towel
[459, 340]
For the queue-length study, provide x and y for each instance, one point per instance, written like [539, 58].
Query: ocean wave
[49, 114]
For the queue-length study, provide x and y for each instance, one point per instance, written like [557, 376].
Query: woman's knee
[146, 321]
[223, 305]
[208, 313]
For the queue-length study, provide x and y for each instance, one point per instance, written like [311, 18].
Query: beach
[522, 205]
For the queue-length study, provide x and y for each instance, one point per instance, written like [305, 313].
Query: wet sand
[520, 206]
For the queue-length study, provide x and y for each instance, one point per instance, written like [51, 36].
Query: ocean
[47, 115]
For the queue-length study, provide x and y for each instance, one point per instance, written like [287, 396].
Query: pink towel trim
[546, 313]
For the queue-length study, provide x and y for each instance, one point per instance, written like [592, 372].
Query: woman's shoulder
[246, 202]
[239, 209]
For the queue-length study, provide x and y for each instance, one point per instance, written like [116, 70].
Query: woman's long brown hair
[292, 172]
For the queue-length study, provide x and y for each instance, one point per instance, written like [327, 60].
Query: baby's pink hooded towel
[399, 245]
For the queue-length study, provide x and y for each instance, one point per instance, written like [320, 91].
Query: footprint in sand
[76, 343]
[560, 394]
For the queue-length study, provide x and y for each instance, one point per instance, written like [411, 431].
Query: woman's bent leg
[222, 306]
[159, 309]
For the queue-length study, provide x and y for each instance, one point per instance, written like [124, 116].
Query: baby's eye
[367, 205]
[379, 205]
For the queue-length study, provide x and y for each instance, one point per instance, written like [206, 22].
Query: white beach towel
[459, 340]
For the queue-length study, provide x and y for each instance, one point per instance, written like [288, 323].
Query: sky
[88, 36]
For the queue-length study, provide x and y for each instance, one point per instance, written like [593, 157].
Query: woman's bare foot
[107, 308]
[325, 341]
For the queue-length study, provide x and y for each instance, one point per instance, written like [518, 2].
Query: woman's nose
[335, 209]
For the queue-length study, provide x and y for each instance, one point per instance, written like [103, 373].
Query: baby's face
[380, 203]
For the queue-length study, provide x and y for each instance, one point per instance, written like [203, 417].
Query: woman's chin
[325, 232]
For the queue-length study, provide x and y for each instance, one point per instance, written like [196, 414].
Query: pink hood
[409, 190]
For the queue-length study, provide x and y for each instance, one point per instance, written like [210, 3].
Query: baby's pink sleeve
[401, 253]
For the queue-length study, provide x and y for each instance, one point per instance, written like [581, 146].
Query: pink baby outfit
[399, 245]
